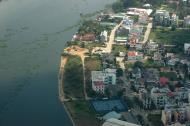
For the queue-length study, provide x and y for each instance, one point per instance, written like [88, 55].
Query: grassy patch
[149, 63]
[91, 64]
[155, 119]
[94, 44]
[82, 113]
[170, 75]
[118, 48]
[73, 77]
[166, 36]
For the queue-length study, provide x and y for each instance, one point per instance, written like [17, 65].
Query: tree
[118, 6]
[82, 45]
[107, 92]
[138, 64]
[120, 93]
[119, 72]
[129, 102]
[173, 28]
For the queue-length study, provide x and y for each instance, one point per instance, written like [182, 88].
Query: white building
[102, 78]
[172, 115]
[104, 36]
[116, 122]
[137, 11]
[187, 21]
[187, 48]
[98, 81]
[159, 96]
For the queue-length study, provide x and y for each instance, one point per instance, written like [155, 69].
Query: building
[104, 36]
[133, 55]
[112, 114]
[102, 78]
[116, 122]
[110, 76]
[151, 75]
[157, 56]
[159, 96]
[187, 21]
[163, 81]
[174, 19]
[162, 18]
[143, 18]
[132, 42]
[136, 73]
[173, 61]
[182, 93]
[136, 31]
[138, 11]
[85, 37]
[175, 115]
[121, 40]
[127, 22]
[98, 81]
[151, 46]
[187, 48]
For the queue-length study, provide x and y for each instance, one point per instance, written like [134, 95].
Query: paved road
[147, 33]
[109, 44]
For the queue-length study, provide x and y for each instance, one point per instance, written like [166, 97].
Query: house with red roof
[102, 78]
[163, 81]
[85, 37]
[133, 55]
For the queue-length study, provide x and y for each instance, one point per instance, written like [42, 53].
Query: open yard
[91, 64]
[166, 36]
[73, 78]
[118, 48]
[82, 113]
[170, 75]
[155, 119]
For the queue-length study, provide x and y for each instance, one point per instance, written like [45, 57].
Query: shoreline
[61, 87]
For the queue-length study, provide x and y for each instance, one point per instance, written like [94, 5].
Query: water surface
[32, 36]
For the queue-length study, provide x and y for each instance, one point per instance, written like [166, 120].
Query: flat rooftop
[103, 106]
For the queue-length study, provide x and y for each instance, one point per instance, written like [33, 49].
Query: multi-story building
[133, 55]
[175, 115]
[187, 48]
[174, 19]
[104, 36]
[187, 21]
[102, 78]
[157, 56]
[160, 96]
[162, 18]
[182, 93]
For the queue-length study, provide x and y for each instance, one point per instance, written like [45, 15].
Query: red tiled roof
[133, 40]
[86, 37]
[170, 94]
[132, 53]
[163, 80]
[98, 83]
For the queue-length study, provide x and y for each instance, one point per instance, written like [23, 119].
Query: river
[32, 36]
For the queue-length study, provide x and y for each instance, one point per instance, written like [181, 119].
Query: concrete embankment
[61, 86]
[60, 78]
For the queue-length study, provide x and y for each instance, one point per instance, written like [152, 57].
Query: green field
[82, 113]
[118, 48]
[73, 78]
[166, 36]
[91, 64]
